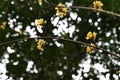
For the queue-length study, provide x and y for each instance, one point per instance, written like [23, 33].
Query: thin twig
[88, 8]
[79, 42]
[94, 9]
[50, 3]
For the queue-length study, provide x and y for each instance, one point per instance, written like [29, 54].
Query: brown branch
[88, 8]
[94, 9]
[50, 3]
[79, 42]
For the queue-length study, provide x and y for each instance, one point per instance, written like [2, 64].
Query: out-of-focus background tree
[61, 60]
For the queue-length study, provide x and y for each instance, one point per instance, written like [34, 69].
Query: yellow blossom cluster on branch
[40, 44]
[98, 5]
[91, 35]
[40, 22]
[90, 48]
[61, 9]
[3, 25]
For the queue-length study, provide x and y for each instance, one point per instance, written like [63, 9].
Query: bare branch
[79, 42]
[88, 8]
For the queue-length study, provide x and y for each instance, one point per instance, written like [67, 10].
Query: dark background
[67, 57]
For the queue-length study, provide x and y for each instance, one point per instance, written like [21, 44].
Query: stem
[79, 42]
[50, 3]
[90, 8]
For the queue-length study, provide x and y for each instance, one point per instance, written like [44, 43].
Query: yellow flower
[94, 35]
[40, 44]
[3, 25]
[40, 2]
[61, 9]
[98, 5]
[40, 22]
[90, 48]
[91, 35]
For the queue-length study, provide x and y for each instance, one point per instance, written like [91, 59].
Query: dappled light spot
[10, 50]
[90, 20]
[116, 77]
[55, 20]
[73, 15]
[85, 75]
[31, 31]
[96, 24]
[79, 19]
[106, 44]
[108, 34]
[12, 2]
[30, 8]
[100, 68]
[112, 41]
[16, 63]
[65, 67]
[59, 72]
[99, 28]
[58, 44]
[99, 19]
[31, 67]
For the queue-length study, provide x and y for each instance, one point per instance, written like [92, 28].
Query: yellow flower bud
[90, 48]
[40, 22]
[91, 35]
[98, 5]
[3, 25]
[61, 9]
[40, 44]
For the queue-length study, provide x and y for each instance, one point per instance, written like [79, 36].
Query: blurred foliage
[67, 57]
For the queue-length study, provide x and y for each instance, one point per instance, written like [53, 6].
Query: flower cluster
[91, 35]
[40, 44]
[98, 5]
[61, 9]
[40, 22]
[90, 48]
[3, 25]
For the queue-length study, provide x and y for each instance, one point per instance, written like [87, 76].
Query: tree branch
[88, 8]
[79, 42]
